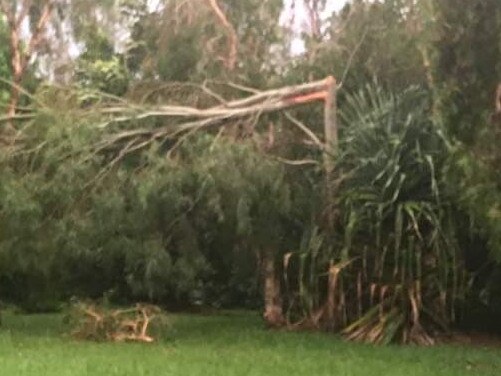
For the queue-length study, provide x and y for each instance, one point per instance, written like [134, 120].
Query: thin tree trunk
[231, 60]
[273, 312]
[20, 57]
[331, 304]
[17, 67]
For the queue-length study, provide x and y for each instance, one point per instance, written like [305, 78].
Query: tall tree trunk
[273, 312]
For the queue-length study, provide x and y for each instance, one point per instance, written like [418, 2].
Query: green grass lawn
[232, 344]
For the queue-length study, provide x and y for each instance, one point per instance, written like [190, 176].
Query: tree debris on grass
[97, 323]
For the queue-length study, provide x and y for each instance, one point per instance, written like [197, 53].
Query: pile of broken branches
[97, 323]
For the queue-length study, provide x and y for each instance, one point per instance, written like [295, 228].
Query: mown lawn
[233, 344]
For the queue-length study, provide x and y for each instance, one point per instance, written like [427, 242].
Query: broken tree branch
[263, 102]
[94, 322]
[124, 133]
[184, 120]
[304, 129]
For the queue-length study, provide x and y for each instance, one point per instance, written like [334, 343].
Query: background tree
[16, 13]
[467, 67]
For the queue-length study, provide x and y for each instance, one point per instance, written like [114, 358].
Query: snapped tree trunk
[273, 312]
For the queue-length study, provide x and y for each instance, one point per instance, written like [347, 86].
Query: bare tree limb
[242, 87]
[351, 58]
[302, 162]
[304, 129]
[182, 121]
[187, 120]
[231, 60]
[266, 101]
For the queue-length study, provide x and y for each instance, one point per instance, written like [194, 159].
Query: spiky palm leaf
[396, 219]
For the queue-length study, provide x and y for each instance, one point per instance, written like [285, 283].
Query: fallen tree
[189, 120]
[122, 130]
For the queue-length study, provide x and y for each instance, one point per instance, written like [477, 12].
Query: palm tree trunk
[273, 312]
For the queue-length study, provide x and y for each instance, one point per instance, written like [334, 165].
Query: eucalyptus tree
[192, 41]
[467, 74]
[467, 64]
[16, 13]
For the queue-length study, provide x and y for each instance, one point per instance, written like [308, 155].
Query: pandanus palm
[394, 270]
[398, 222]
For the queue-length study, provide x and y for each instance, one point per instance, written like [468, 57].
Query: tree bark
[330, 122]
[331, 141]
[273, 311]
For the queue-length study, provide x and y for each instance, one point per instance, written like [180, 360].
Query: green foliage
[467, 72]
[467, 68]
[395, 271]
[100, 68]
[155, 49]
[185, 41]
[397, 215]
[180, 59]
[477, 192]
[367, 40]
[174, 231]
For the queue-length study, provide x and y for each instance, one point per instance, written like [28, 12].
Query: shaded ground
[475, 339]
[233, 344]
